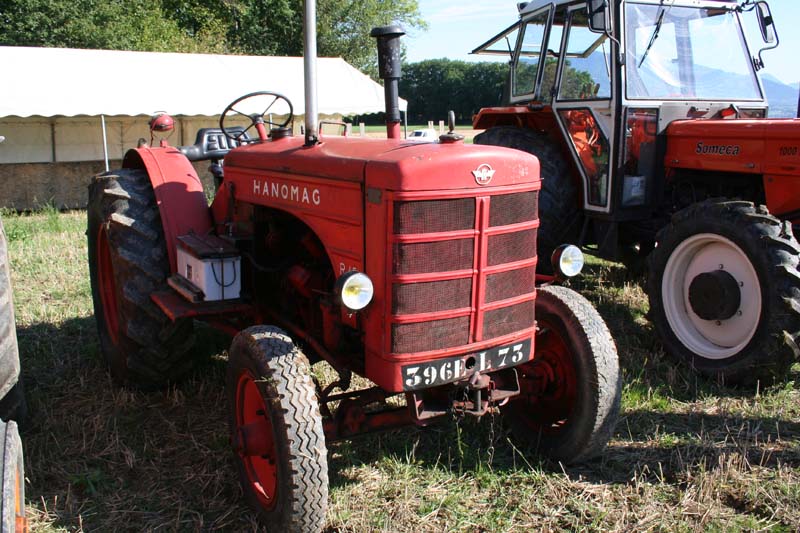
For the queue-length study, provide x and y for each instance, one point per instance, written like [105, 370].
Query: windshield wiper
[653, 37]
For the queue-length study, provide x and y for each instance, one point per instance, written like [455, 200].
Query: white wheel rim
[710, 339]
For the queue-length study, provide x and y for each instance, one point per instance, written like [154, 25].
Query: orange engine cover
[769, 148]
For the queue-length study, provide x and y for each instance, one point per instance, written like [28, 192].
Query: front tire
[12, 470]
[559, 214]
[571, 389]
[741, 335]
[276, 431]
[12, 396]
[127, 262]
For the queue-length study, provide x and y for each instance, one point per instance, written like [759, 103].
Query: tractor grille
[456, 270]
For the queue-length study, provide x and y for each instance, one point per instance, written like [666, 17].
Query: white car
[423, 135]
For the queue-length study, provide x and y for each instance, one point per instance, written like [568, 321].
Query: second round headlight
[354, 290]
[567, 260]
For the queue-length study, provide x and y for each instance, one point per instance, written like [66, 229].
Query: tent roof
[68, 82]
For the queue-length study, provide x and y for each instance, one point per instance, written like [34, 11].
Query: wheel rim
[548, 383]
[107, 285]
[710, 339]
[254, 443]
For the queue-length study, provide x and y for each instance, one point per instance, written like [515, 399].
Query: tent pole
[105, 140]
[405, 124]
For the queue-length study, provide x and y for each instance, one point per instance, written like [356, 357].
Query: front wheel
[570, 391]
[12, 470]
[276, 431]
[724, 291]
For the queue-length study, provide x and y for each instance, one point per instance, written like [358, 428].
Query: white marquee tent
[52, 99]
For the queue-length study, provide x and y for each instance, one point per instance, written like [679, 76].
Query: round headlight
[567, 260]
[354, 290]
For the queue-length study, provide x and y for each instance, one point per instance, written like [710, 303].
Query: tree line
[256, 27]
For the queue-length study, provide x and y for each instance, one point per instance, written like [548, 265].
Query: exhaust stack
[389, 70]
[310, 72]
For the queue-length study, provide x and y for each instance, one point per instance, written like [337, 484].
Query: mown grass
[687, 454]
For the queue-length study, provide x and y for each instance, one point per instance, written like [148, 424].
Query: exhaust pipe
[310, 72]
[389, 70]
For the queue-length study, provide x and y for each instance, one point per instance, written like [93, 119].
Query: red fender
[179, 193]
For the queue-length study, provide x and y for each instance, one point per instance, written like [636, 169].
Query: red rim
[253, 441]
[107, 285]
[548, 383]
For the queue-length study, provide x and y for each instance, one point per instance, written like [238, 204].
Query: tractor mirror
[766, 23]
[599, 19]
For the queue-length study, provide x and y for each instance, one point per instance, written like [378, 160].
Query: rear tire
[571, 389]
[276, 431]
[12, 468]
[559, 214]
[127, 262]
[12, 396]
[760, 341]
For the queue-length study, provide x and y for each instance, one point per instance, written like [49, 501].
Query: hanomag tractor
[410, 264]
[650, 124]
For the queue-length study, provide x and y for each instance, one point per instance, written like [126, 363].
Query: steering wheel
[257, 120]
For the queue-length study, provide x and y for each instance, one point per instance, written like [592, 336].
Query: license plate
[441, 371]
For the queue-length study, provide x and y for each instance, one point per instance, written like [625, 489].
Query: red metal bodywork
[179, 193]
[762, 147]
[344, 190]
[540, 118]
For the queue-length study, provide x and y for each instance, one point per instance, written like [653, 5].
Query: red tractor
[410, 264]
[650, 123]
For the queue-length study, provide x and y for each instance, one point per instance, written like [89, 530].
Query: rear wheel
[559, 215]
[724, 291]
[570, 390]
[127, 262]
[276, 431]
[12, 469]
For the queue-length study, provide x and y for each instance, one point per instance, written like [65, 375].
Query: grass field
[687, 454]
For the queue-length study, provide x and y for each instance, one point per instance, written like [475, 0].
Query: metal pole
[310, 71]
[798, 104]
[105, 140]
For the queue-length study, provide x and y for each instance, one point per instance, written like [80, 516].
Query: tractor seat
[213, 144]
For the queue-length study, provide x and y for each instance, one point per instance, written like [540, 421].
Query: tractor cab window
[586, 73]
[529, 51]
[687, 53]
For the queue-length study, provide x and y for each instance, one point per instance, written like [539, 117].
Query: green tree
[114, 25]
[436, 86]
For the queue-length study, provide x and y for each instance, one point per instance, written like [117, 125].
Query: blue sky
[458, 26]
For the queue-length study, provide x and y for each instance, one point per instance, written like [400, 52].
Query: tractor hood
[390, 164]
[766, 146]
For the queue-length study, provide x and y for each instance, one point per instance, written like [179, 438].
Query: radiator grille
[443, 257]
[414, 298]
[432, 216]
[510, 247]
[507, 320]
[427, 257]
[504, 285]
[513, 208]
[434, 335]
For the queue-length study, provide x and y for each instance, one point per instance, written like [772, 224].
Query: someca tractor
[649, 120]
[410, 264]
